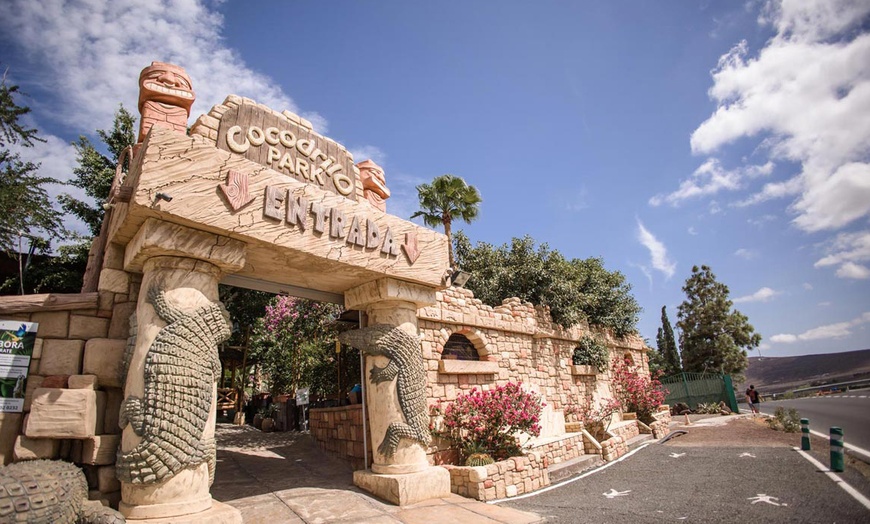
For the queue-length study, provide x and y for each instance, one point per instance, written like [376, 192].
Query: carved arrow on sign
[236, 190]
[411, 247]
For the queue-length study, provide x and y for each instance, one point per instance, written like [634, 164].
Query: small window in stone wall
[458, 347]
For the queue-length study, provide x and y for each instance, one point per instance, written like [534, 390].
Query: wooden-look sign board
[280, 144]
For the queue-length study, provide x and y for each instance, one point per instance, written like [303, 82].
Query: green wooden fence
[700, 388]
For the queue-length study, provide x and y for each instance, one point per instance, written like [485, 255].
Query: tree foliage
[292, 340]
[574, 290]
[24, 201]
[96, 171]
[446, 199]
[713, 337]
[667, 346]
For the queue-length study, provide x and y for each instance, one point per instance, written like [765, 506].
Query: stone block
[102, 357]
[83, 382]
[52, 324]
[37, 349]
[35, 448]
[120, 326]
[63, 413]
[86, 327]
[100, 450]
[34, 366]
[101, 413]
[61, 357]
[56, 381]
[107, 481]
[114, 280]
[510, 491]
[114, 397]
[33, 383]
[402, 490]
[10, 426]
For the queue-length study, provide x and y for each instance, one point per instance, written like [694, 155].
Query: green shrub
[709, 408]
[591, 352]
[788, 420]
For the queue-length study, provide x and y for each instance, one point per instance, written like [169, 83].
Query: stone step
[638, 440]
[569, 468]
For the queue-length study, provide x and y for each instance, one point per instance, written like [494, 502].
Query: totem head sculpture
[165, 97]
[374, 184]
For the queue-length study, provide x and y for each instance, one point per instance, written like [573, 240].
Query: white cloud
[764, 294]
[808, 286]
[853, 270]
[760, 221]
[806, 96]
[711, 178]
[746, 254]
[368, 152]
[692, 231]
[93, 52]
[824, 304]
[657, 250]
[849, 251]
[836, 330]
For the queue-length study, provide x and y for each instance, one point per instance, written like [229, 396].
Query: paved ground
[726, 469]
[278, 478]
[735, 472]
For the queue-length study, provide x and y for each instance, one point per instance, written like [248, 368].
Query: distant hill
[776, 374]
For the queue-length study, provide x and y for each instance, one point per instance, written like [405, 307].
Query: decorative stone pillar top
[158, 238]
[388, 289]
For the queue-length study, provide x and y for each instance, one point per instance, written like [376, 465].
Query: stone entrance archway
[253, 194]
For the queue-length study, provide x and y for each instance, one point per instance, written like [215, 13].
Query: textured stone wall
[523, 343]
[340, 431]
[507, 478]
[73, 391]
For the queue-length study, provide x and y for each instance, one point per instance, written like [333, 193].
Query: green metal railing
[700, 388]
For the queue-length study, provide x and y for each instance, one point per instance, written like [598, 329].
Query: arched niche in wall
[465, 352]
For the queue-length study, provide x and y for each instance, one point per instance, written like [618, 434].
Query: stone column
[406, 477]
[186, 266]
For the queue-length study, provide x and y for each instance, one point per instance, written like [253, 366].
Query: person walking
[754, 399]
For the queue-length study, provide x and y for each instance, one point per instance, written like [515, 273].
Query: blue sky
[654, 135]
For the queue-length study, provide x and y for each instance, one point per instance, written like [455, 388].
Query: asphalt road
[850, 411]
[667, 483]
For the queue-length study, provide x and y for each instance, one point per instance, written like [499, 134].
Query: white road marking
[850, 447]
[676, 455]
[613, 493]
[836, 478]
[575, 479]
[747, 454]
[767, 499]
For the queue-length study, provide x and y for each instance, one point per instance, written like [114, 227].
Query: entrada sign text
[299, 212]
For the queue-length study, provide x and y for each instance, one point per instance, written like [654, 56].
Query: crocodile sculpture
[406, 366]
[181, 368]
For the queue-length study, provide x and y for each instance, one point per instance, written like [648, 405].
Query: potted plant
[590, 357]
[269, 413]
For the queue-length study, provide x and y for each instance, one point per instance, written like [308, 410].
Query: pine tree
[667, 346]
[28, 215]
[713, 337]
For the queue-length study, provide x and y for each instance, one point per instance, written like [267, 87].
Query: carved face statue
[374, 184]
[166, 84]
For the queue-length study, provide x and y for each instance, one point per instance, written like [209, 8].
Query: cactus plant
[479, 459]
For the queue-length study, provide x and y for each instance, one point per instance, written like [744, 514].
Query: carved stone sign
[283, 145]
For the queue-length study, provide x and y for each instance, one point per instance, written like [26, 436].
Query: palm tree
[448, 197]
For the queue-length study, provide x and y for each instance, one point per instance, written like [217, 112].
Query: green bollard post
[805, 434]
[837, 463]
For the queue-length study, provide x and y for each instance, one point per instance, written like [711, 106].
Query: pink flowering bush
[635, 392]
[595, 417]
[488, 421]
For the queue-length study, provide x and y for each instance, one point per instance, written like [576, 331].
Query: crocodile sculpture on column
[406, 366]
[181, 368]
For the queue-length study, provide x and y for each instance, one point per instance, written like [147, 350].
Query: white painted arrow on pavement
[614, 493]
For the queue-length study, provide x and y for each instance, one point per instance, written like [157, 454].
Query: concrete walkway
[280, 478]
